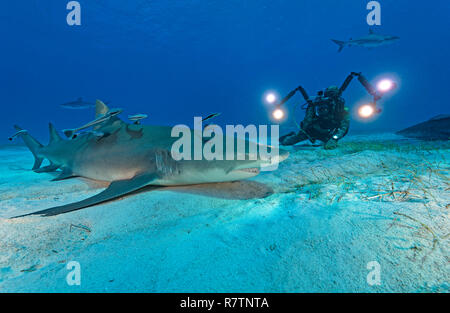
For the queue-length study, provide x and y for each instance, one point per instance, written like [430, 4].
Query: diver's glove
[331, 144]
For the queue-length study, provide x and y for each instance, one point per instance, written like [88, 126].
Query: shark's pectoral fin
[116, 189]
[65, 174]
[47, 169]
[37, 163]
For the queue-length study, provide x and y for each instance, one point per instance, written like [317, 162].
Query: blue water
[177, 59]
[312, 225]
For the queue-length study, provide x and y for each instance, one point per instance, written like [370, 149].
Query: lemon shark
[436, 128]
[372, 40]
[131, 157]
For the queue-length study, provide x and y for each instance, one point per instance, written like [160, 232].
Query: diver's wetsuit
[332, 125]
[327, 118]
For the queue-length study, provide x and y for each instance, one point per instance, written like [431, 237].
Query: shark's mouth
[251, 170]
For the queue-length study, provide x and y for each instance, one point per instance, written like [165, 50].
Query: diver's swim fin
[116, 189]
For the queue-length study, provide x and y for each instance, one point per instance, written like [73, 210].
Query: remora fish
[370, 41]
[100, 119]
[130, 162]
[436, 128]
[213, 115]
[137, 118]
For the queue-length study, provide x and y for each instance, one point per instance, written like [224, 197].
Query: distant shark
[370, 41]
[130, 157]
[78, 104]
[436, 128]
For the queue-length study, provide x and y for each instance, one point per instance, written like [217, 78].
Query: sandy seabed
[311, 226]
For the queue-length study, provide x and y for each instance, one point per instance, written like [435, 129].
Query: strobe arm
[292, 93]
[370, 89]
[347, 82]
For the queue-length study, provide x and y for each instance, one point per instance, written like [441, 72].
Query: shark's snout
[274, 160]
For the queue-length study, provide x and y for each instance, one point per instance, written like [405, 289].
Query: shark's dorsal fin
[54, 136]
[100, 108]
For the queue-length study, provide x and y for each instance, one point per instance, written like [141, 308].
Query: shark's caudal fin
[100, 108]
[33, 145]
[54, 136]
[115, 190]
[340, 43]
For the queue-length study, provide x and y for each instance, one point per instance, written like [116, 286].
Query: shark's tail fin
[340, 43]
[32, 144]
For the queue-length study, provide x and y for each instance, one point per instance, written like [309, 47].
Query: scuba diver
[327, 118]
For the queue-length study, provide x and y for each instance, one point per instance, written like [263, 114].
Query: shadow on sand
[237, 190]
